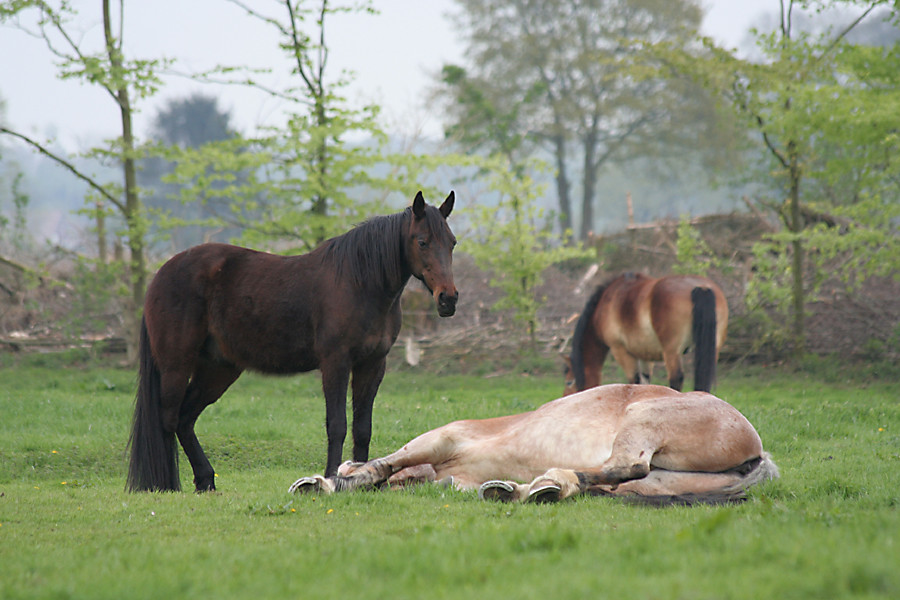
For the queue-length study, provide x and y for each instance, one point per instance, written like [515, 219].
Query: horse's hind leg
[209, 382]
[630, 460]
[674, 368]
[628, 363]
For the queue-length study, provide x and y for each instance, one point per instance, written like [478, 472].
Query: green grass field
[829, 528]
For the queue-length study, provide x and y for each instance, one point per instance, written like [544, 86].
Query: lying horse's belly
[544, 441]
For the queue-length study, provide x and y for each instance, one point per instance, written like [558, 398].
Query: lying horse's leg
[430, 448]
[630, 459]
[552, 486]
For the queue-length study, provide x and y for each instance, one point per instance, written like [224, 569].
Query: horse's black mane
[374, 249]
[584, 327]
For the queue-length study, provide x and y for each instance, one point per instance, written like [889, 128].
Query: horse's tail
[704, 333]
[759, 471]
[153, 465]
[584, 329]
[734, 489]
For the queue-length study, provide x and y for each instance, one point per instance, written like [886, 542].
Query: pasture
[830, 527]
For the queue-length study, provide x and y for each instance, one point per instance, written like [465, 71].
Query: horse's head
[429, 251]
[569, 376]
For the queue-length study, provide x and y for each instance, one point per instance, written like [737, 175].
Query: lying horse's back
[693, 431]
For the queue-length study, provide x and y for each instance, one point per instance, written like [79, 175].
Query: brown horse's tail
[153, 465]
[704, 332]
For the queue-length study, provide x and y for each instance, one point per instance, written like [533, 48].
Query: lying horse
[644, 441]
[639, 318]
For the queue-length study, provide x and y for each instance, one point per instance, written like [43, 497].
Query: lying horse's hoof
[348, 467]
[308, 485]
[501, 491]
[544, 492]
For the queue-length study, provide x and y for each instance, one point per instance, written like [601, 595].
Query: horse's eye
[422, 243]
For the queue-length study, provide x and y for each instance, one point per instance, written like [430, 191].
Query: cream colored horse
[646, 441]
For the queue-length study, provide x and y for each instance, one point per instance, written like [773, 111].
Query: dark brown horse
[216, 310]
[640, 318]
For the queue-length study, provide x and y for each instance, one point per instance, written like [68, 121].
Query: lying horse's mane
[584, 327]
[373, 250]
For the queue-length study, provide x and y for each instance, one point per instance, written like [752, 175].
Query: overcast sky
[393, 56]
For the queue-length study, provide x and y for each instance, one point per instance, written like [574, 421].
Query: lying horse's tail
[764, 470]
[704, 334]
[153, 465]
[715, 488]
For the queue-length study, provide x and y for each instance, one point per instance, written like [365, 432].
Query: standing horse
[641, 318]
[643, 441]
[216, 310]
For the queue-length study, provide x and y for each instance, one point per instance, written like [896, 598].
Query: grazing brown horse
[216, 310]
[642, 318]
[643, 441]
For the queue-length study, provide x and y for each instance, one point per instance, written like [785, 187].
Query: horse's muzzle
[446, 303]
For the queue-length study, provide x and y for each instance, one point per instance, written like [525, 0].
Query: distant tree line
[810, 119]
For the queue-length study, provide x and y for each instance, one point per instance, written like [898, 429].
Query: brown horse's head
[429, 251]
[569, 376]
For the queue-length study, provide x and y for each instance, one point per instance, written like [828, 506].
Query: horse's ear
[447, 207]
[419, 205]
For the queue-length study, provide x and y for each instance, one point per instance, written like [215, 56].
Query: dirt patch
[861, 324]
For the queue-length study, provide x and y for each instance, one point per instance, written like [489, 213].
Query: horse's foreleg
[552, 486]
[431, 448]
[335, 379]
[366, 380]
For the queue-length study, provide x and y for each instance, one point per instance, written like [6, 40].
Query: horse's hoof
[310, 485]
[544, 493]
[501, 491]
[348, 467]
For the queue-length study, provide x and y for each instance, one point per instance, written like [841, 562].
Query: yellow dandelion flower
[54, 452]
[63, 483]
[293, 510]
[330, 510]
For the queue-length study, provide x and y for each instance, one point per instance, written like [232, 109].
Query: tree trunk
[562, 186]
[796, 226]
[590, 183]
[133, 217]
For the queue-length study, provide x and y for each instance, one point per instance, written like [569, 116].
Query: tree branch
[62, 161]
